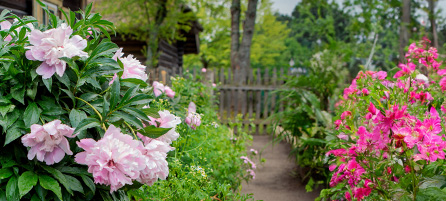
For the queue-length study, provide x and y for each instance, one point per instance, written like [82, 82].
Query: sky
[287, 6]
[284, 6]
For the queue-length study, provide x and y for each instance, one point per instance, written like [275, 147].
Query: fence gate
[253, 100]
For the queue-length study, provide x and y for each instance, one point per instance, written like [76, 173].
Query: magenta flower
[346, 114]
[166, 120]
[115, 160]
[155, 153]
[51, 45]
[405, 70]
[169, 92]
[48, 142]
[158, 88]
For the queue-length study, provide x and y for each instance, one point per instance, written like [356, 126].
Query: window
[41, 15]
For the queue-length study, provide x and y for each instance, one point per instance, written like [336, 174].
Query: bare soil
[275, 179]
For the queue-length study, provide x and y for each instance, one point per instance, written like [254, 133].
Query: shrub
[65, 92]
[389, 140]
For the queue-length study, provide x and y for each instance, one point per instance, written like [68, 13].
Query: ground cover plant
[389, 140]
[79, 121]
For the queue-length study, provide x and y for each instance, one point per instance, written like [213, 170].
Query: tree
[433, 23]
[404, 33]
[242, 51]
[147, 20]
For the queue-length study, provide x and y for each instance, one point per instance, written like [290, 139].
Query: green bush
[206, 162]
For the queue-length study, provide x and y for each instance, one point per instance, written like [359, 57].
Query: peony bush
[389, 138]
[79, 121]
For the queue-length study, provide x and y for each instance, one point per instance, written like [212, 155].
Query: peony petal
[45, 70]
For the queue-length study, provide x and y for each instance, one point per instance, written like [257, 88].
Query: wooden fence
[250, 100]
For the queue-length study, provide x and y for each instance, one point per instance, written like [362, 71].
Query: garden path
[274, 179]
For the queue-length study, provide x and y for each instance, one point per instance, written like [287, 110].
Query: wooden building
[170, 60]
[31, 7]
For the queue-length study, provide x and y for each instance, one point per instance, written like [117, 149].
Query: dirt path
[274, 180]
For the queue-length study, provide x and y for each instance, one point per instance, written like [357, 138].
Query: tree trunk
[152, 43]
[244, 54]
[235, 32]
[433, 24]
[404, 33]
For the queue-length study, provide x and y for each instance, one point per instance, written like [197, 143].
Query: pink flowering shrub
[391, 140]
[74, 135]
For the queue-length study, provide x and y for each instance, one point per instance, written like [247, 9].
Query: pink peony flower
[158, 88]
[214, 85]
[48, 142]
[114, 160]
[132, 67]
[166, 120]
[51, 45]
[252, 173]
[203, 70]
[169, 92]
[155, 153]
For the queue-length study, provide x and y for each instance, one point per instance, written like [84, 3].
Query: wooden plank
[258, 102]
[273, 95]
[282, 76]
[222, 76]
[265, 99]
[257, 87]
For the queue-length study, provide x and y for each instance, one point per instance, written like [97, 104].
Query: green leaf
[104, 48]
[136, 112]
[87, 123]
[72, 170]
[153, 132]
[74, 183]
[139, 99]
[31, 115]
[9, 119]
[48, 83]
[4, 109]
[14, 132]
[128, 118]
[50, 108]
[135, 81]
[5, 173]
[153, 112]
[26, 182]
[128, 94]
[18, 94]
[60, 177]
[12, 191]
[51, 184]
[64, 80]
[115, 94]
[76, 116]
[89, 182]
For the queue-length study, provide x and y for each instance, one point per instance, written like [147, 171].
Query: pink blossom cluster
[48, 142]
[132, 67]
[51, 45]
[193, 119]
[159, 88]
[117, 159]
[391, 126]
[251, 164]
